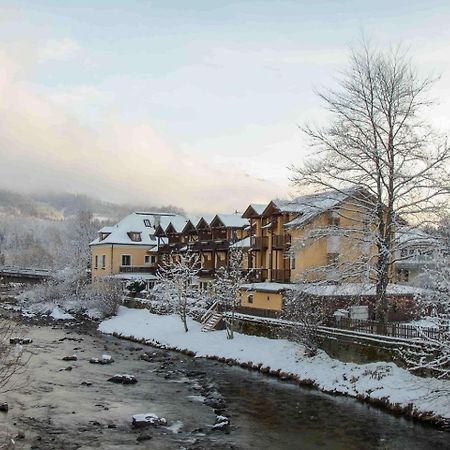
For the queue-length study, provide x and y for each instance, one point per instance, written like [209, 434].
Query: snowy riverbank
[382, 383]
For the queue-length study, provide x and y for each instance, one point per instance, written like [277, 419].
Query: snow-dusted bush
[306, 314]
[73, 292]
[435, 303]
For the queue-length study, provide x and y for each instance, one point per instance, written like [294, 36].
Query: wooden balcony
[204, 235]
[280, 241]
[219, 234]
[259, 242]
[256, 275]
[169, 248]
[281, 275]
[206, 271]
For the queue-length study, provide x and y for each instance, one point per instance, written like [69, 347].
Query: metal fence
[392, 329]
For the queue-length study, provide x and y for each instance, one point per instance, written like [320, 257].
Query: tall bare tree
[228, 284]
[379, 142]
[178, 283]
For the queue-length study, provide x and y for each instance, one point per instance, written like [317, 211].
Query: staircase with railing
[212, 318]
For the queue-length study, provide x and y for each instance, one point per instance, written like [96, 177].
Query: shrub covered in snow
[72, 292]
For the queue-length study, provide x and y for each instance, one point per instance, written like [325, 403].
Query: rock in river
[149, 419]
[123, 379]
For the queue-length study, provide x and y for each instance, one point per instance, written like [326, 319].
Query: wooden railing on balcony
[255, 275]
[219, 234]
[281, 275]
[204, 235]
[259, 242]
[280, 241]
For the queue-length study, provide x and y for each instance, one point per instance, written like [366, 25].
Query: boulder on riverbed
[20, 341]
[222, 423]
[70, 358]
[149, 419]
[105, 359]
[123, 379]
[4, 407]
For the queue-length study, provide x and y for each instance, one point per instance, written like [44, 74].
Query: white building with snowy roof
[130, 246]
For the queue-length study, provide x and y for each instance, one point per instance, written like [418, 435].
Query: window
[126, 260]
[135, 236]
[332, 259]
[403, 275]
[250, 298]
[103, 261]
[334, 220]
[147, 223]
[96, 261]
[150, 259]
[292, 261]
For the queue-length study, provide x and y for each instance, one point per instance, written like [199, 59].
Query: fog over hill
[61, 206]
[48, 229]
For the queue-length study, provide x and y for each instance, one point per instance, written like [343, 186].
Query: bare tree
[228, 285]
[178, 283]
[12, 356]
[379, 144]
[304, 314]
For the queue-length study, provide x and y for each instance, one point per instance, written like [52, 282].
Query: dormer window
[147, 223]
[334, 219]
[103, 236]
[135, 236]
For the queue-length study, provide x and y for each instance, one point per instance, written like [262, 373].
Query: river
[78, 409]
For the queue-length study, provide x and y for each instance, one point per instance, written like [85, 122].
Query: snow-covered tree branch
[380, 149]
[228, 285]
[178, 283]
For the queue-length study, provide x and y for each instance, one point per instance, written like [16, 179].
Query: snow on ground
[58, 314]
[377, 381]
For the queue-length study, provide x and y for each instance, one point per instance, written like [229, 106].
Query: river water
[59, 409]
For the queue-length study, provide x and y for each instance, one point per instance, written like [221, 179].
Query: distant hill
[61, 206]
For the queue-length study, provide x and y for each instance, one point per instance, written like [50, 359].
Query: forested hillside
[47, 230]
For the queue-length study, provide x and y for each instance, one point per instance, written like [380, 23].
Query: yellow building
[130, 246]
[318, 237]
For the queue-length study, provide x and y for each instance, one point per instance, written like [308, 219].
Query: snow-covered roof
[356, 289]
[243, 243]
[335, 290]
[106, 230]
[268, 286]
[178, 223]
[258, 208]
[143, 223]
[414, 237]
[231, 220]
[131, 276]
[309, 206]
[207, 218]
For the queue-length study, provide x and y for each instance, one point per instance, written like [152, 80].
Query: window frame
[122, 260]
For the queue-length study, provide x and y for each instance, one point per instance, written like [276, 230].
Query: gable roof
[306, 207]
[254, 210]
[229, 221]
[176, 224]
[204, 221]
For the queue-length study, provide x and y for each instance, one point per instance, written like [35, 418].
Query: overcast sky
[195, 103]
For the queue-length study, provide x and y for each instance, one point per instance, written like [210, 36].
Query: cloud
[58, 50]
[44, 147]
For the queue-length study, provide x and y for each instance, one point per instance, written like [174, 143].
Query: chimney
[156, 221]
